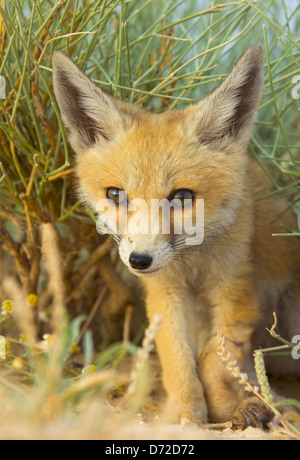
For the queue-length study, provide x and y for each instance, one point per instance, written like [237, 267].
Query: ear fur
[89, 113]
[225, 118]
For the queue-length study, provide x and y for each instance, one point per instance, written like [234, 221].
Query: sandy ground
[148, 421]
[114, 416]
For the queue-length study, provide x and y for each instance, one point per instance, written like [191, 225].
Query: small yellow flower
[4, 349]
[17, 364]
[87, 370]
[74, 349]
[7, 306]
[47, 337]
[47, 342]
[32, 300]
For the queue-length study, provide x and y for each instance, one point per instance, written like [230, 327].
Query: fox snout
[149, 234]
[140, 261]
[145, 254]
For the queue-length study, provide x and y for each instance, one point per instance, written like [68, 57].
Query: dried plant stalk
[52, 256]
[232, 365]
[235, 371]
[144, 352]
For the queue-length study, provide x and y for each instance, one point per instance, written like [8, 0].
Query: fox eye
[181, 195]
[116, 195]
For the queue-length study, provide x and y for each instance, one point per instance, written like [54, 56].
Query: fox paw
[252, 412]
[195, 412]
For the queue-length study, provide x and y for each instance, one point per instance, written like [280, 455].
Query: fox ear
[89, 114]
[225, 118]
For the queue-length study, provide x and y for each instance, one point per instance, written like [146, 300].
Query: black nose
[140, 261]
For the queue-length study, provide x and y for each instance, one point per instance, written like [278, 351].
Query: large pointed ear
[90, 114]
[224, 119]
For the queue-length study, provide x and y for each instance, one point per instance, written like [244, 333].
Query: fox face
[136, 168]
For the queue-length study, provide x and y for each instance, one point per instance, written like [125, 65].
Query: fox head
[130, 159]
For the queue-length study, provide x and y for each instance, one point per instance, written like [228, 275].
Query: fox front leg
[235, 315]
[177, 348]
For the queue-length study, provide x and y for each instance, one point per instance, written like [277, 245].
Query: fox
[231, 280]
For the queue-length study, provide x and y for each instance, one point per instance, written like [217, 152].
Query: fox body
[239, 275]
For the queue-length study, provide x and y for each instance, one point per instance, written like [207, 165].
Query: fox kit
[238, 275]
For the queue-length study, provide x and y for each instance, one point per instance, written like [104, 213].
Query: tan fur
[240, 274]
